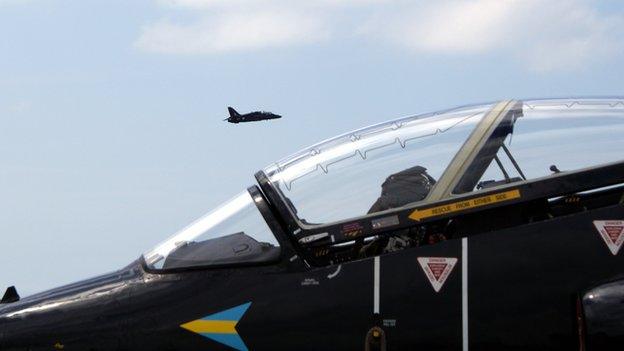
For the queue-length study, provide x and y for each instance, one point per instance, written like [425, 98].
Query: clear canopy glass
[556, 135]
[354, 174]
[233, 233]
[397, 163]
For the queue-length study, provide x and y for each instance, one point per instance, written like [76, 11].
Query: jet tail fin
[233, 112]
[10, 295]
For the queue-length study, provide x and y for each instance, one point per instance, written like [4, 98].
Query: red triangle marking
[613, 232]
[437, 269]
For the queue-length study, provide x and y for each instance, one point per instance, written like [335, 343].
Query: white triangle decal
[437, 269]
[612, 232]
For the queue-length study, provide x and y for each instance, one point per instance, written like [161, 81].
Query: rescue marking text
[420, 214]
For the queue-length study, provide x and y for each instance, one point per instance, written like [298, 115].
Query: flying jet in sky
[236, 117]
[486, 227]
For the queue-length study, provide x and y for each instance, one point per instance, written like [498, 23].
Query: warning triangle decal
[437, 269]
[612, 232]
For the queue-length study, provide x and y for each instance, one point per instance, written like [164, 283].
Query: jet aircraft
[236, 117]
[486, 227]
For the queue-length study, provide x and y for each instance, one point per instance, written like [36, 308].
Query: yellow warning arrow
[418, 215]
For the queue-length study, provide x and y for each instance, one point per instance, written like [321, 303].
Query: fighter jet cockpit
[352, 191]
[373, 190]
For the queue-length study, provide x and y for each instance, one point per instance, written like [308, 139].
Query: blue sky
[111, 135]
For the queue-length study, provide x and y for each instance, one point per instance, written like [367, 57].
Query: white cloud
[542, 34]
[14, 2]
[569, 35]
[237, 25]
[202, 4]
[232, 31]
[449, 26]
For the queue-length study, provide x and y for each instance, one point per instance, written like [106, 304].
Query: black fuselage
[252, 117]
[523, 284]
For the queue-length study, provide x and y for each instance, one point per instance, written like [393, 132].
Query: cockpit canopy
[407, 162]
[344, 177]
[401, 162]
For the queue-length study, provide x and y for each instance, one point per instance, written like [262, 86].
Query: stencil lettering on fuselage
[612, 232]
[437, 269]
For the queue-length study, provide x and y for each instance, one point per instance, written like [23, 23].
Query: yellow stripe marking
[205, 326]
[417, 215]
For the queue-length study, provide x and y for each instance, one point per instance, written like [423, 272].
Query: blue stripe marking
[233, 314]
[232, 340]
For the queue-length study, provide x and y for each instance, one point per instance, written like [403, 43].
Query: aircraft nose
[4, 338]
[16, 333]
[8, 341]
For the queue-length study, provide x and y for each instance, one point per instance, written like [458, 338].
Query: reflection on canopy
[342, 177]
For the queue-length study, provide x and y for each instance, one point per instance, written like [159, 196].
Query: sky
[111, 131]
